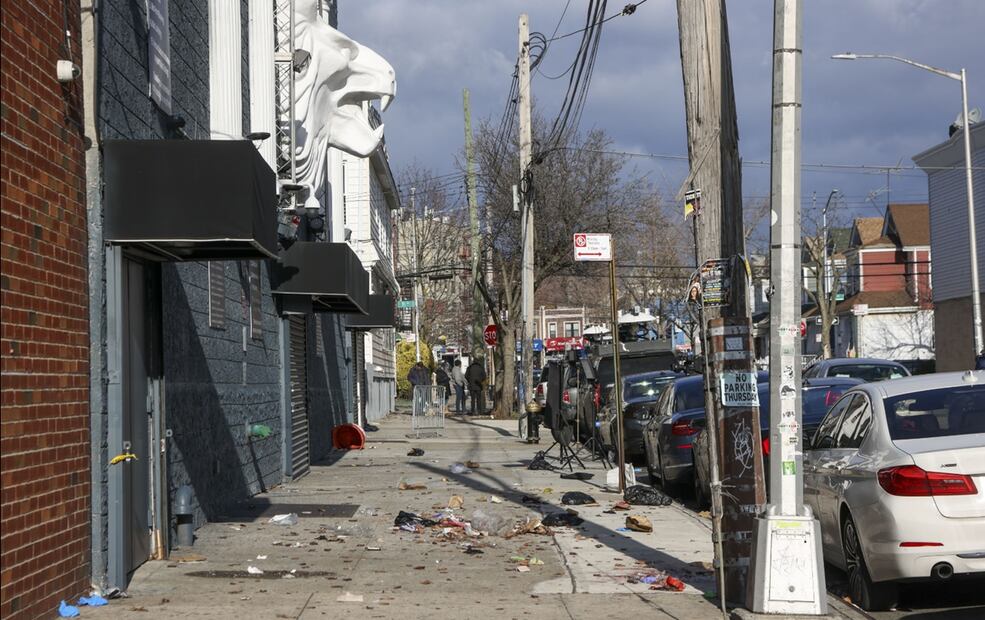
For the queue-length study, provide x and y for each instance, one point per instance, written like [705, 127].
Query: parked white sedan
[896, 475]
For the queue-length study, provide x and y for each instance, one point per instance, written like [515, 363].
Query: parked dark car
[817, 396]
[669, 434]
[864, 368]
[640, 395]
[634, 358]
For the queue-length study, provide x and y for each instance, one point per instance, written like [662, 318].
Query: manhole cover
[260, 510]
[267, 574]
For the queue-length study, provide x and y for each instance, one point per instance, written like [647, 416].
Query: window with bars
[256, 302]
[217, 294]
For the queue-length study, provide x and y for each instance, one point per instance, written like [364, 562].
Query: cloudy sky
[866, 112]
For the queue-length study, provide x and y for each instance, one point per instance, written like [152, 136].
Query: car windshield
[633, 366]
[868, 372]
[646, 389]
[936, 413]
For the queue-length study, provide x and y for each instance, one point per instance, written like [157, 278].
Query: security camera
[67, 70]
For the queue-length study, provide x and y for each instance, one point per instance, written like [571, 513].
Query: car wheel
[865, 593]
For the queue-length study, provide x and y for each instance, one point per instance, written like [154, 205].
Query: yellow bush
[406, 358]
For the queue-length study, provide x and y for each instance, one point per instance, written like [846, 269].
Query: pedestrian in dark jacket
[443, 379]
[419, 375]
[476, 376]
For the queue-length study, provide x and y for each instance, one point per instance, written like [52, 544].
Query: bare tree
[432, 250]
[576, 186]
[824, 265]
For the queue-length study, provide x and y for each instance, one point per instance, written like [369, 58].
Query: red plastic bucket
[348, 437]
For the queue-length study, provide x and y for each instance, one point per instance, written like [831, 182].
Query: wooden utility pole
[713, 152]
[478, 307]
[526, 145]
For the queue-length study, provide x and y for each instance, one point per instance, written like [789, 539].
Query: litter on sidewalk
[285, 519]
[460, 468]
[349, 597]
[577, 498]
[415, 452]
[640, 495]
[639, 523]
[563, 519]
[404, 486]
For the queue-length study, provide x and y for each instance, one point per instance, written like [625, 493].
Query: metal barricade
[429, 410]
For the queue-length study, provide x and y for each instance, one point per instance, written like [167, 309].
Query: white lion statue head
[329, 94]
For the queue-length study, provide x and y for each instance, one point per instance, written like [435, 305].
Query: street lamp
[961, 77]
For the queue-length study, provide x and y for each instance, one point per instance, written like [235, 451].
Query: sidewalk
[408, 575]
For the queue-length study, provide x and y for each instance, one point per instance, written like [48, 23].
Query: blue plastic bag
[67, 611]
[93, 601]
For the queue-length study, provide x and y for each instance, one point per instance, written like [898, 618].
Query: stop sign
[803, 328]
[490, 336]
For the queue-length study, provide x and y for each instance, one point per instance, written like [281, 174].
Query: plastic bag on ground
[577, 498]
[641, 495]
[577, 475]
[562, 519]
[460, 468]
[612, 477]
[540, 462]
[67, 611]
[286, 519]
[412, 520]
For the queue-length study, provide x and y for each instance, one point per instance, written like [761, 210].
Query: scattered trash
[349, 597]
[535, 562]
[704, 514]
[495, 499]
[412, 520]
[369, 548]
[562, 519]
[348, 437]
[67, 611]
[93, 601]
[547, 490]
[403, 486]
[415, 452]
[639, 523]
[539, 462]
[188, 558]
[470, 550]
[533, 525]
[622, 529]
[640, 495]
[517, 558]
[668, 583]
[261, 557]
[577, 498]
[472, 465]
[456, 501]
[526, 499]
[522, 569]
[285, 519]
[577, 475]
[253, 570]
[621, 505]
[612, 477]
[460, 468]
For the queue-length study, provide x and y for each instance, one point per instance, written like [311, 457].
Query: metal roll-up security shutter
[300, 453]
[359, 374]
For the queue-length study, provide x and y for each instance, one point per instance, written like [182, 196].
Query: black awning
[329, 274]
[382, 313]
[190, 199]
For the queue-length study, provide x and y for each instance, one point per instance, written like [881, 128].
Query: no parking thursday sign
[738, 389]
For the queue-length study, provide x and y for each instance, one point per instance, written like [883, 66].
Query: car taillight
[683, 428]
[912, 481]
[565, 397]
[597, 396]
[540, 389]
[831, 397]
[766, 446]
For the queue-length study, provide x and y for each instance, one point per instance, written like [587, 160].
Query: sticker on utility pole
[593, 247]
[738, 389]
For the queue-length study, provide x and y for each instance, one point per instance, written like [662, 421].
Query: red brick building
[44, 425]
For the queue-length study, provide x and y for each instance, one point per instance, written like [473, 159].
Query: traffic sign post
[593, 247]
[490, 336]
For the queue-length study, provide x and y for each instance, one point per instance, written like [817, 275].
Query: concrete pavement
[587, 572]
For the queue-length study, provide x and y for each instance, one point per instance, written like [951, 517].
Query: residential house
[949, 241]
[838, 240]
[888, 309]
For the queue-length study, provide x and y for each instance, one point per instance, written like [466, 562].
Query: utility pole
[712, 130]
[526, 145]
[478, 313]
[786, 571]
[417, 274]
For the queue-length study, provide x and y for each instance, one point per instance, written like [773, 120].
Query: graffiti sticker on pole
[738, 389]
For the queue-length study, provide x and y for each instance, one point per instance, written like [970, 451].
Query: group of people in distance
[472, 379]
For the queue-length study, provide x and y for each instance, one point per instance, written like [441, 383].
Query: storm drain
[253, 511]
[267, 574]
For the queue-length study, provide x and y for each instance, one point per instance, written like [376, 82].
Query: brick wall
[44, 424]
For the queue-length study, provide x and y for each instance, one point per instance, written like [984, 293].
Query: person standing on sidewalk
[418, 375]
[458, 380]
[476, 376]
[443, 379]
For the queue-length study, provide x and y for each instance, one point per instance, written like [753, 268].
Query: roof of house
[877, 299]
[909, 223]
[869, 231]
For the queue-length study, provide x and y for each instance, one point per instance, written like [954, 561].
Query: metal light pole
[976, 305]
[787, 573]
